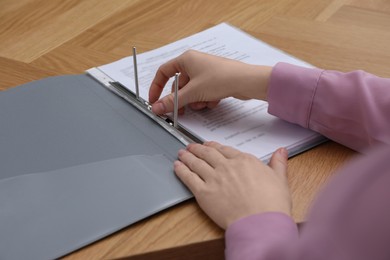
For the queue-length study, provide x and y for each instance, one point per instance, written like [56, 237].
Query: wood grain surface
[41, 38]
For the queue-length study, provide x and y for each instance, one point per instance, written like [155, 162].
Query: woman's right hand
[206, 79]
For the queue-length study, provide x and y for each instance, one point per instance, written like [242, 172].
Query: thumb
[163, 105]
[278, 161]
[166, 104]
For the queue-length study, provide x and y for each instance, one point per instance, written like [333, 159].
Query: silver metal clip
[171, 126]
[135, 72]
[176, 100]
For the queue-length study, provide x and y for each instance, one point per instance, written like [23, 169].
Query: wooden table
[40, 38]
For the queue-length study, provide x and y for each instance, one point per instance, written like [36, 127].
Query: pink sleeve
[253, 237]
[350, 217]
[349, 220]
[350, 108]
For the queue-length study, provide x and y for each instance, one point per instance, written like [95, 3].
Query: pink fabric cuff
[287, 83]
[254, 234]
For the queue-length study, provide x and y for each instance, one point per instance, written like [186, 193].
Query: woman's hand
[229, 184]
[206, 79]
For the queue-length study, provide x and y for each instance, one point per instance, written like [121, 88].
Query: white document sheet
[245, 125]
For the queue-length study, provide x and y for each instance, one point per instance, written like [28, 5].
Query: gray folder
[77, 163]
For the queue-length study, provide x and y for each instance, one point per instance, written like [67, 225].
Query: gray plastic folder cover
[77, 163]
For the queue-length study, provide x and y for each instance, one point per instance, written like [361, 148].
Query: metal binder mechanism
[169, 124]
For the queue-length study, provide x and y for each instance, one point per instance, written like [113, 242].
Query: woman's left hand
[229, 184]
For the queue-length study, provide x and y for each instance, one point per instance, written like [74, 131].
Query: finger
[166, 104]
[189, 178]
[208, 154]
[212, 104]
[195, 164]
[183, 80]
[278, 161]
[181, 111]
[202, 105]
[227, 151]
[198, 105]
[163, 74]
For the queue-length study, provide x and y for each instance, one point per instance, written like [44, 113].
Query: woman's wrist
[256, 78]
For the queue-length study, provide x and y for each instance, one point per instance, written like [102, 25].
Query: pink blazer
[351, 217]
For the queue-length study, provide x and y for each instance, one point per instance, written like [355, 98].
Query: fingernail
[283, 152]
[177, 163]
[199, 106]
[181, 151]
[190, 146]
[158, 108]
